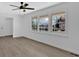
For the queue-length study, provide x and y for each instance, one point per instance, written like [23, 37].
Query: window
[34, 24]
[58, 22]
[43, 24]
[55, 23]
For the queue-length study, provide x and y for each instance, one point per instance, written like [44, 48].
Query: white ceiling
[5, 8]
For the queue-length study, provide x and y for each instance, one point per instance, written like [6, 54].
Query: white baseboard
[5, 35]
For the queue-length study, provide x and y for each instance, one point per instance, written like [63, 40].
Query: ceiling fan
[23, 7]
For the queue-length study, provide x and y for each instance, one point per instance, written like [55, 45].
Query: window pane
[58, 22]
[34, 24]
[43, 24]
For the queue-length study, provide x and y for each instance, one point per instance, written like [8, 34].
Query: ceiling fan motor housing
[21, 7]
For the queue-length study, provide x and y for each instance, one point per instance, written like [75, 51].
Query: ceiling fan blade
[29, 8]
[16, 9]
[26, 4]
[13, 5]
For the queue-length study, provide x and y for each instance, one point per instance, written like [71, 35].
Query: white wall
[18, 26]
[6, 24]
[68, 41]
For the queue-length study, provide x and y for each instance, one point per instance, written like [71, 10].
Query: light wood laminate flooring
[23, 47]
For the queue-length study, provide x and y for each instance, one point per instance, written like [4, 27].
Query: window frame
[35, 17]
[63, 12]
[48, 23]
